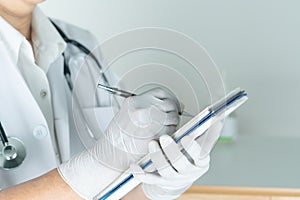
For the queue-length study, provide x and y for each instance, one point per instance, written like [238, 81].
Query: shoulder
[76, 33]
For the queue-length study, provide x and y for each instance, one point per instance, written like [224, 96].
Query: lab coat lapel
[59, 90]
[22, 118]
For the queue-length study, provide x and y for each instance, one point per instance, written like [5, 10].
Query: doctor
[36, 110]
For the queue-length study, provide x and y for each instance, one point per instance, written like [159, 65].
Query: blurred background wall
[255, 44]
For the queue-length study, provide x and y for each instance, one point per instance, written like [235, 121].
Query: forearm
[52, 186]
[48, 186]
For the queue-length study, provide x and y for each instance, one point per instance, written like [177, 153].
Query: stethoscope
[82, 48]
[12, 149]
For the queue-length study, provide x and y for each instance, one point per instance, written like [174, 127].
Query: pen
[123, 93]
[116, 91]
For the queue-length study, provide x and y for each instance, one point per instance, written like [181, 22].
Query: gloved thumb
[143, 176]
[208, 140]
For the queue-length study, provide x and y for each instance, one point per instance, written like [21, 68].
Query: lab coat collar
[48, 44]
[11, 38]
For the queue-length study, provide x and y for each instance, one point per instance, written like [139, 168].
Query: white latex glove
[175, 171]
[141, 119]
[208, 140]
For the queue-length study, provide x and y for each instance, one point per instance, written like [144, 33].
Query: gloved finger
[194, 151]
[159, 160]
[177, 181]
[136, 170]
[159, 93]
[210, 137]
[154, 114]
[142, 101]
[168, 105]
[151, 118]
[163, 94]
[172, 118]
[148, 178]
[167, 130]
[178, 160]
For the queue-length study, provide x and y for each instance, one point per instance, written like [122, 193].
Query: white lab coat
[22, 117]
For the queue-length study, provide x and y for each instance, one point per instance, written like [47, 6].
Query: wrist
[86, 175]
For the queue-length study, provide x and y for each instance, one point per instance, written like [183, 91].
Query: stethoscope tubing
[82, 48]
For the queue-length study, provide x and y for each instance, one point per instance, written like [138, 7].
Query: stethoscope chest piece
[12, 154]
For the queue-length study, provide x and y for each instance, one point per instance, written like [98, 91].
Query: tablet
[201, 122]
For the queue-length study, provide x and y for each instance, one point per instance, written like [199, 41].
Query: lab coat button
[43, 93]
[40, 132]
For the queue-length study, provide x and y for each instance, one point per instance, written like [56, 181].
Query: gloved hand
[175, 171]
[208, 140]
[141, 119]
